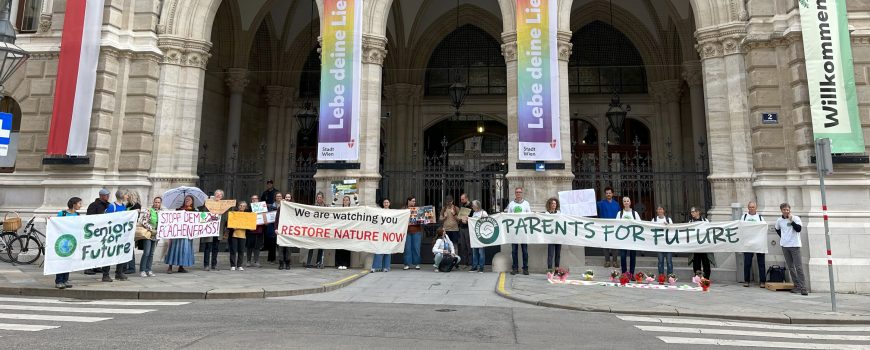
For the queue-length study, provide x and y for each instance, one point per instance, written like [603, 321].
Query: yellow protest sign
[242, 220]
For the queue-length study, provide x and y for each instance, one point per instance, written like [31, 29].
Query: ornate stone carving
[44, 55]
[693, 74]
[44, 23]
[667, 91]
[181, 52]
[374, 50]
[401, 93]
[275, 95]
[237, 79]
[565, 50]
[709, 50]
[509, 51]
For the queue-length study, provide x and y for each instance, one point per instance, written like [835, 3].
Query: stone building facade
[187, 89]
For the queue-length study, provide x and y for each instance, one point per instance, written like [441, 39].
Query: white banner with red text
[75, 243]
[540, 228]
[173, 224]
[360, 229]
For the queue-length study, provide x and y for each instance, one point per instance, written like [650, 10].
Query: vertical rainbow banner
[338, 133]
[538, 80]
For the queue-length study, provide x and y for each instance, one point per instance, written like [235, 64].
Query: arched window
[309, 83]
[468, 55]
[603, 61]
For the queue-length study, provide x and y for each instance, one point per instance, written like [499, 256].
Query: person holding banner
[181, 249]
[237, 242]
[254, 242]
[413, 240]
[98, 207]
[554, 251]
[149, 220]
[319, 201]
[449, 220]
[284, 263]
[212, 245]
[61, 280]
[381, 262]
[478, 255]
[607, 209]
[664, 258]
[700, 261]
[628, 214]
[519, 205]
[133, 203]
[753, 216]
[117, 206]
[342, 256]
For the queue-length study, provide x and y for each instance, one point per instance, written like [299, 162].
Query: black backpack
[776, 274]
[447, 263]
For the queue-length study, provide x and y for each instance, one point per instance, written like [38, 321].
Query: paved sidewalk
[725, 301]
[254, 282]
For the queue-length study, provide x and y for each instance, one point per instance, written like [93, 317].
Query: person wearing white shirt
[443, 248]
[665, 258]
[627, 214]
[789, 227]
[478, 255]
[753, 216]
[519, 205]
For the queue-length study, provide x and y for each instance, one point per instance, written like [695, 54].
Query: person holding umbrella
[181, 249]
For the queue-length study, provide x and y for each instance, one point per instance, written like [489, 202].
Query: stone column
[236, 79]
[695, 80]
[667, 95]
[274, 100]
[287, 127]
[367, 176]
[405, 99]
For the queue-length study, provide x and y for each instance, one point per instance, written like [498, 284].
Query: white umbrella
[174, 198]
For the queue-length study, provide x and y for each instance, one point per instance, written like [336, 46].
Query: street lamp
[307, 118]
[616, 116]
[12, 57]
[457, 92]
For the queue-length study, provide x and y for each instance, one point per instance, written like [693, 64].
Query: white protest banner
[259, 207]
[187, 224]
[578, 202]
[74, 243]
[540, 228]
[361, 229]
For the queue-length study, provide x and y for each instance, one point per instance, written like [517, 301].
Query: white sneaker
[232, 268]
[143, 274]
[418, 267]
[241, 268]
[151, 274]
[406, 267]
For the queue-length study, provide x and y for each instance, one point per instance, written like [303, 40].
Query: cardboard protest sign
[242, 220]
[74, 243]
[187, 224]
[219, 207]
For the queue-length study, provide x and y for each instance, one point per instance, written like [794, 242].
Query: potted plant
[705, 284]
[561, 273]
[614, 276]
[672, 279]
[588, 275]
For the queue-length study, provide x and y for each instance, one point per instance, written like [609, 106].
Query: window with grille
[28, 15]
[309, 83]
[603, 61]
[471, 56]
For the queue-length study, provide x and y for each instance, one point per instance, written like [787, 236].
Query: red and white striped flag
[76, 78]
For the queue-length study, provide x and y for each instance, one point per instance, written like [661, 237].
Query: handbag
[142, 233]
[13, 224]
[776, 274]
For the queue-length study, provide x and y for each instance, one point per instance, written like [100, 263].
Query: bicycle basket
[11, 224]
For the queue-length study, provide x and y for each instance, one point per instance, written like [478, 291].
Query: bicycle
[6, 238]
[27, 247]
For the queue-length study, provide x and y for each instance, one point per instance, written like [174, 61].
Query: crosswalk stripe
[24, 327]
[95, 302]
[53, 318]
[760, 344]
[701, 322]
[73, 309]
[754, 333]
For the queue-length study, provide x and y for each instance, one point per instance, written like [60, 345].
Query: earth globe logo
[486, 230]
[65, 245]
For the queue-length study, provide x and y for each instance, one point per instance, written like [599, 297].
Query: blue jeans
[525, 256]
[478, 257]
[747, 267]
[61, 278]
[147, 255]
[412, 249]
[663, 258]
[381, 262]
[632, 256]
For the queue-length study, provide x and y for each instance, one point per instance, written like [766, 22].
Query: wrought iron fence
[300, 180]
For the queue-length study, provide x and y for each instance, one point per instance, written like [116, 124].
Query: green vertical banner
[831, 74]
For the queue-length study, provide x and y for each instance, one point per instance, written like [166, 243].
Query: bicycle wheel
[6, 239]
[25, 250]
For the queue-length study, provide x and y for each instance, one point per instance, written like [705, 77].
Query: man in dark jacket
[99, 206]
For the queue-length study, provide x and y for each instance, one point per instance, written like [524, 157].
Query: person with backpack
[700, 261]
[61, 280]
[627, 214]
[665, 258]
[753, 216]
[444, 249]
[119, 205]
[150, 219]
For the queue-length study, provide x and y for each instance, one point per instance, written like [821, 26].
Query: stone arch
[298, 50]
[710, 13]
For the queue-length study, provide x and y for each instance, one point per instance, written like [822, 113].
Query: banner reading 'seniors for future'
[831, 74]
[537, 228]
[361, 229]
[74, 243]
[538, 80]
[338, 137]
